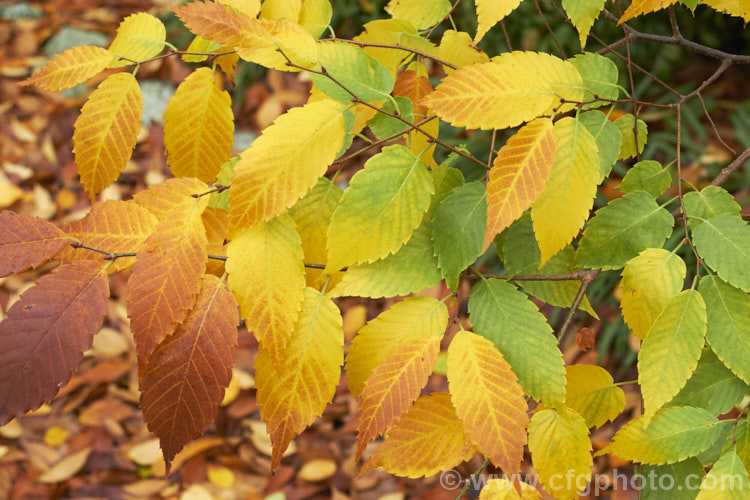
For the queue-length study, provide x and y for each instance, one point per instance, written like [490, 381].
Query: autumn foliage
[267, 238]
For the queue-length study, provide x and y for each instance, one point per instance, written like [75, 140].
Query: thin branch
[585, 283]
[170, 53]
[448, 15]
[544, 18]
[731, 168]
[217, 188]
[470, 480]
[390, 46]
[574, 276]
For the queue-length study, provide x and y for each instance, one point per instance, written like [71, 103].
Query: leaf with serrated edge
[562, 208]
[198, 127]
[115, 226]
[221, 24]
[672, 435]
[422, 13]
[394, 385]
[184, 382]
[267, 275]
[671, 350]
[677, 472]
[70, 68]
[292, 394]
[488, 400]
[393, 32]
[284, 163]
[708, 202]
[599, 76]
[647, 176]
[590, 392]
[490, 12]
[277, 9]
[412, 318]
[521, 333]
[519, 173]
[457, 48]
[503, 489]
[565, 432]
[106, 131]
[727, 480]
[27, 241]
[638, 7]
[315, 16]
[139, 37]
[355, 70]
[582, 14]
[427, 439]
[46, 333]
[723, 241]
[163, 199]
[608, 138]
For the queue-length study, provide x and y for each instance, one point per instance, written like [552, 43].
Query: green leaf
[622, 229]
[739, 440]
[723, 241]
[520, 251]
[221, 200]
[670, 353]
[674, 474]
[672, 435]
[446, 179]
[503, 315]
[599, 76]
[712, 387]
[458, 230]
[727, 480]
[583, 13]
[648, 176]
[591, 392]
[353, 68]
[383, 125]
[709, 202]
[626, 124]
[728, 331]
[608, 138]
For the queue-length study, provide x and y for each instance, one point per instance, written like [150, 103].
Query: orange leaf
[427, 439]
[415, 87]
[165, 279]
[394, 385]
[27, 241]
[70, 68]
[184, 382]
[521, 169]
[639, 7]
[46, 332]
[293, 393]
[221, 24]
[115, 226]
[162, 199]
[488, 400]
[216, 222]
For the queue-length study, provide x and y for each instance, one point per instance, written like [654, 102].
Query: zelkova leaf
[165, 279]
[139, 37]
[488, 400]
[708, 202]
[727, 480]
[46, 332]
[315, 16]
[638, 7]
[70, 68]
[608, 138]
[728, 330]
[267, 275]
[583, 13]
[106, 131]
[283, 41]
[277, 9]
[562, 208]
[723, 241]
[740, 440]
[682, 473]
[560, 448]
[648, 176]
[284, 162]
[622, 229]
[627, 126]
[503, 489]
[521, 333]
[457, 48]
[393, 32]
[394, 385]
[513, 88]
[671, 350]
[184, 382]
[599, 75]
[422, 13]
[672, 435]
[648, 282]
[198, 127]
[169, 197]
[458, 229]
[381, 208]
[490, 12]
[519, 173]
[117, 226]
[27, 241]
[736, 8]
[427, 439]
[292, 394]
[215, 221]
[412, 318]
[590, 392]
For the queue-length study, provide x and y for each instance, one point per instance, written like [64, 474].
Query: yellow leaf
[490, 12]
[284, 162]
[55, 436]
[519, 174]
[561, 451]
[222, 24]
[281, 9]
[292, 394]
[638, 7]
[421, 13]
[488, 400]
[562, 208]
[736, 8]
[502, 489]
[427, 439]
[248, 7]
[413, 318]
[590, 392]
[215, 221]
[198, 127]
[139, 37]
[315, 16]
[648, 282]
[420, 143]
[393, 32]
[267, 275]
[223, 477]
[106, 131]
[317, 469]
[162, 199]
[512, 88]
[394, 385]
[456, 48]
[70, 68]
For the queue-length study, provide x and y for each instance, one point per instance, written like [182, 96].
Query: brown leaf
[585, 339]
[27, 241]
[66, 468]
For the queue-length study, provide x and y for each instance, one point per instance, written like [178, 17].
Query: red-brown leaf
[27, 241]
[46, 332]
